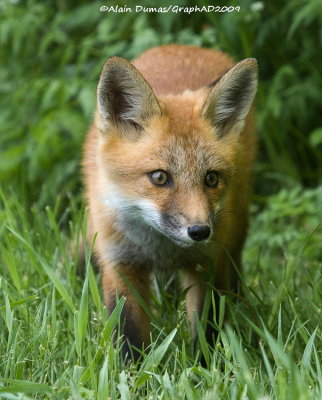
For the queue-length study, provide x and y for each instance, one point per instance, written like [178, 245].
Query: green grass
[56, 337]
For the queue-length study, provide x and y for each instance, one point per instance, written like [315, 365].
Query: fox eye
[159, 178]
[135, 125]
[211, 179]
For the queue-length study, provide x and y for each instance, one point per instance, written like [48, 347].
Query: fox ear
[123, 95]
[230, 98]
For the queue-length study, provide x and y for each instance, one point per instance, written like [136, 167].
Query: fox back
[167, 169]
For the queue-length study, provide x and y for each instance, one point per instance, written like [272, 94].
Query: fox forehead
[179, 141]
[187, 143]
[189, 156]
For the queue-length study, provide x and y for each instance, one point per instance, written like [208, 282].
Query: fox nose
[199, 232]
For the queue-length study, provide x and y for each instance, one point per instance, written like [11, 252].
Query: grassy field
[55, 334]
[55, 337]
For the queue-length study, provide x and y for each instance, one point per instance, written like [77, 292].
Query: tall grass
[56, 337]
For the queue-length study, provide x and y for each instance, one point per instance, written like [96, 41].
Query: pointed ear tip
[114, 61]
[247, 62]
[113, 65]
[250, 65]
[251, 62]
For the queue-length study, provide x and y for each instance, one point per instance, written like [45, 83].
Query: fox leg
[225, 279]
[197, 286]
[135, 324]
[191, 281]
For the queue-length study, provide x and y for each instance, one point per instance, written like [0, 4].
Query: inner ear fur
[123, 95]
[230, 98]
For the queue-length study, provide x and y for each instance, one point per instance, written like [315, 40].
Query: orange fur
[167, 114]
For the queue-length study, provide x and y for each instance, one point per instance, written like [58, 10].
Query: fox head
[169, 161]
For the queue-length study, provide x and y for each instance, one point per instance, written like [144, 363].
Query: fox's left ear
[124, 97]
[230, 98]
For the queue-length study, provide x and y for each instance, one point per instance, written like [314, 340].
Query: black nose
[199, 232]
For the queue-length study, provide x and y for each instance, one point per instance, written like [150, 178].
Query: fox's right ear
[231, 97]
[124, 97]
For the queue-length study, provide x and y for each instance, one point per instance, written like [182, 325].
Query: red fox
[167, 171]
